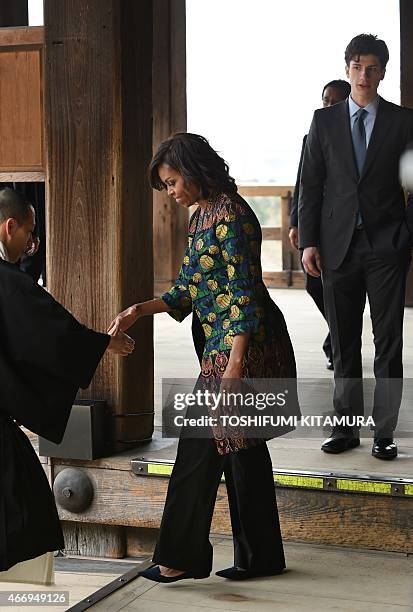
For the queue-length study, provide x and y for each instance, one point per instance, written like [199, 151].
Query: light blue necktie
[360, 147]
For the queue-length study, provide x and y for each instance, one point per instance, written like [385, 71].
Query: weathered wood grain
[406, 88]
[21, 116]
[140, 541]
[104, 541]
[282, 279]
[377, 522]
[406, 52]
[170, 221]
[22, 177]
[98, 102]
[17, 38]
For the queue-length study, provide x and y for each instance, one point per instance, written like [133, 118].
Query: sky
[255, 71]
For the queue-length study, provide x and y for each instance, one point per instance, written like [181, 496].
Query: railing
[288, 273]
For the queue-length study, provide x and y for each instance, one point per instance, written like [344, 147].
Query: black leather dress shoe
[154, 573]
[339, 444]
[235, 573]
[384, 448]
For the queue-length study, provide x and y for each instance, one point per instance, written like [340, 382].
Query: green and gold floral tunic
[221, 281]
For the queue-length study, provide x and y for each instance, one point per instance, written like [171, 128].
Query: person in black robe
[45, 356]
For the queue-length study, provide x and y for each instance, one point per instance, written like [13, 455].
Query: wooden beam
[316, 516]
[22, 177]
[406, 89]
[290, 256]
[87, 540]
[264, 190]
[32, 37]
[406, 52]
[170, 221]
[14, 13]
[271, 233]
[283, 279]
[98, 108]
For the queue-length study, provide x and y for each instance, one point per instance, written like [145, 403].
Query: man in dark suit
[354, 228]
[333, 92]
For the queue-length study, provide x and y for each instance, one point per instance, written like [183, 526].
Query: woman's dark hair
[339, 84]
[194, 158]
[367, 44]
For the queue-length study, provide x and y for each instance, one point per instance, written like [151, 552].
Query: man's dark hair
[367, 44]
[339, 84]
[13, 205]
[193, 157]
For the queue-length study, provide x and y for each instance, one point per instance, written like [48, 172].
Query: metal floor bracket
[110, 588]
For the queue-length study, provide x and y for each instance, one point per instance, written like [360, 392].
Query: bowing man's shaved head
[17, 222]
[13, 206]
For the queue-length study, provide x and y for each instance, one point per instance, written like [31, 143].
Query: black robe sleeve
[45, 355]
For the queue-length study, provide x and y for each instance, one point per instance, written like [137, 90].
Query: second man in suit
[354, 229]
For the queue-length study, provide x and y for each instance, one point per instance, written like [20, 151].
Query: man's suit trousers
[184, 535]
[363, 273]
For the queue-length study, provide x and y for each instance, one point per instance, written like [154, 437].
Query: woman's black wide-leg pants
[184, 535]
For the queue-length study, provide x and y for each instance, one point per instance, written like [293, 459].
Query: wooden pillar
[170, 221]
[98, 109]
[14, 13]
[406, 52]
[406, 88]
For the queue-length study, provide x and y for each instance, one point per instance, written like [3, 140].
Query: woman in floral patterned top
[245, 337]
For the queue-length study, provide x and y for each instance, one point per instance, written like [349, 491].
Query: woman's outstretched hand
[125, 319]
[120, 343]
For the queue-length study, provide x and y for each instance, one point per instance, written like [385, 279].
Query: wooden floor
[79, 585]
[307, 330]
[317, 578]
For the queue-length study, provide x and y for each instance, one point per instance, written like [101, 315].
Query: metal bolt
[67, 492]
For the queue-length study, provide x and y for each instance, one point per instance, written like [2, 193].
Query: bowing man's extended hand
[120, 343]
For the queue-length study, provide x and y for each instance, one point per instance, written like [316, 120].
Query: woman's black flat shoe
[234, 573]
[154, 573]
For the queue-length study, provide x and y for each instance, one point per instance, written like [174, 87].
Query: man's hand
[293, 236]
[312, 261]
[120, 343]
[125, 319]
